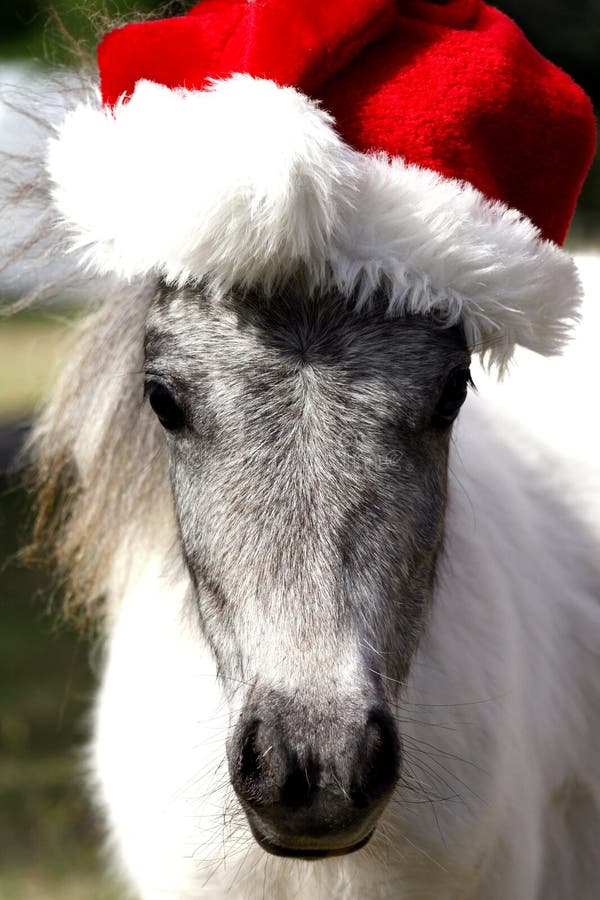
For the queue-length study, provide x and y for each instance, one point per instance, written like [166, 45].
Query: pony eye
[453, 396]
[168, 412]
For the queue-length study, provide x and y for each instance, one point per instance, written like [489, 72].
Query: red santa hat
[419, 148]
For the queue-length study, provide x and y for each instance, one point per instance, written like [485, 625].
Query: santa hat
[422, 149]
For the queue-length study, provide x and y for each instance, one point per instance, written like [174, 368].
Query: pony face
[308, 449]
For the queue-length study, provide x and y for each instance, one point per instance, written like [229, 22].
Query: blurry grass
[37, 886]
[48, 836]
[31, 348]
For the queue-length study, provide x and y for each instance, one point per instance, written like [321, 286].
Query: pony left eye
[168, 411]
[453, 396]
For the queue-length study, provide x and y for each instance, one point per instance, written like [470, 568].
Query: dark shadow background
[48, 841]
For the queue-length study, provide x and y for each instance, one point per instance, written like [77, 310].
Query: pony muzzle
[313, 796]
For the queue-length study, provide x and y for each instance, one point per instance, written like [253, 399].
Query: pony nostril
[258, 767]
[267, 773]
[301, 786]
[249, 762]
[380, 760]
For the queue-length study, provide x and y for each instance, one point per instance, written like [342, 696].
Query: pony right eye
[168, 411]
[453, 396]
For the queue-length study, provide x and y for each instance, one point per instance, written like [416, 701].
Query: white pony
[351, 629]
[500, 713]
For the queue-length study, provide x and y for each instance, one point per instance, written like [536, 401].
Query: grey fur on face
[309, 478]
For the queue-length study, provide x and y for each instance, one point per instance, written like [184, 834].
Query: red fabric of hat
[456, 87]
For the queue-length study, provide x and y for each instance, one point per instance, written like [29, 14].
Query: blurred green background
[48, 838]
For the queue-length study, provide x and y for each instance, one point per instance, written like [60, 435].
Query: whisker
[451, 774]
[425, 854]
[453, 705]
